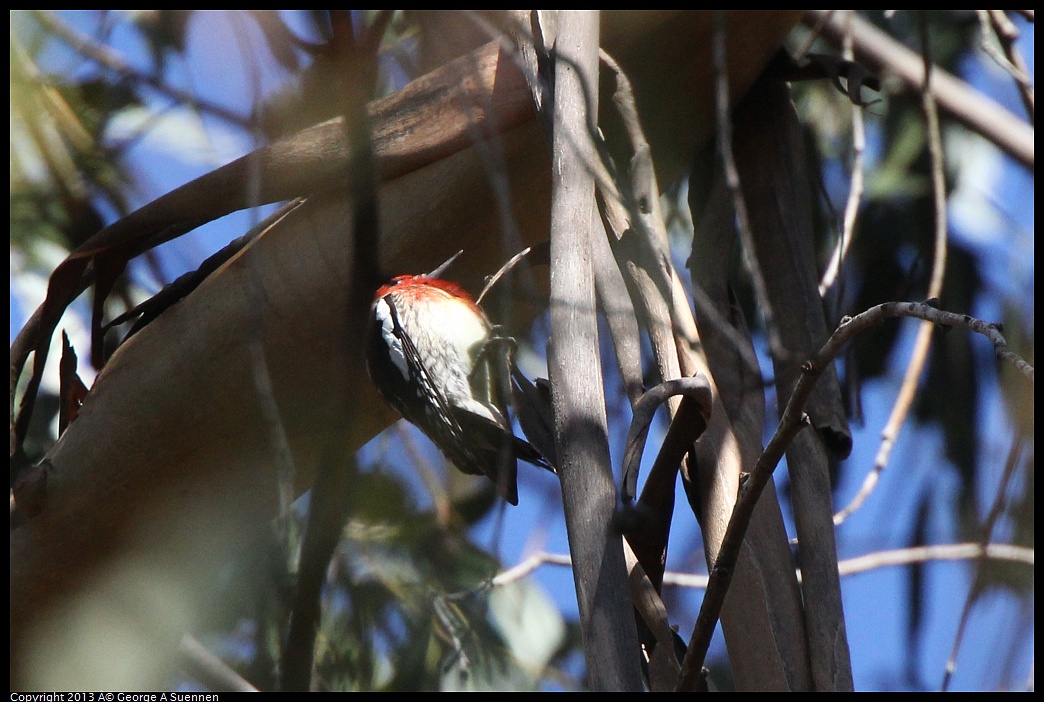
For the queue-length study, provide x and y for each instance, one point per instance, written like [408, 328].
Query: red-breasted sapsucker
[426, 353]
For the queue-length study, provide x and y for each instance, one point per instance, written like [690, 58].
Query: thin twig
[530, 564]
[939, 552]
[850, 566]
[817, 30]
[539, 250]
[792, 421]
[979, 583]
[855, 190]
[897, 557]
[908, 389]
[209, 669]
[1007, 34]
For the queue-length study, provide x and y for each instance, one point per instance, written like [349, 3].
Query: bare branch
[897, 557]
[729, 450]
[1011, 61]
[793, 420]
[939, 552]
[769, 150]
[919, 355]
[817, 31]
[530, 564]
[849, 566]
[855, 188]
[210, 670]
[641, 258]
[979, 583]
[640, 196]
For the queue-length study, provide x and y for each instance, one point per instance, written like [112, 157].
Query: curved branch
[697, 388]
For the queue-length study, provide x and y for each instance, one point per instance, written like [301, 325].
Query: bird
[428, 354]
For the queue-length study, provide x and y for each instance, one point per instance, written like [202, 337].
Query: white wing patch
[393, 343]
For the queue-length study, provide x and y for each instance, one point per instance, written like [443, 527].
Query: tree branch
[980, 582]
[1007, 34]
[1009, 553]
[855, 188]
[793, 420]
